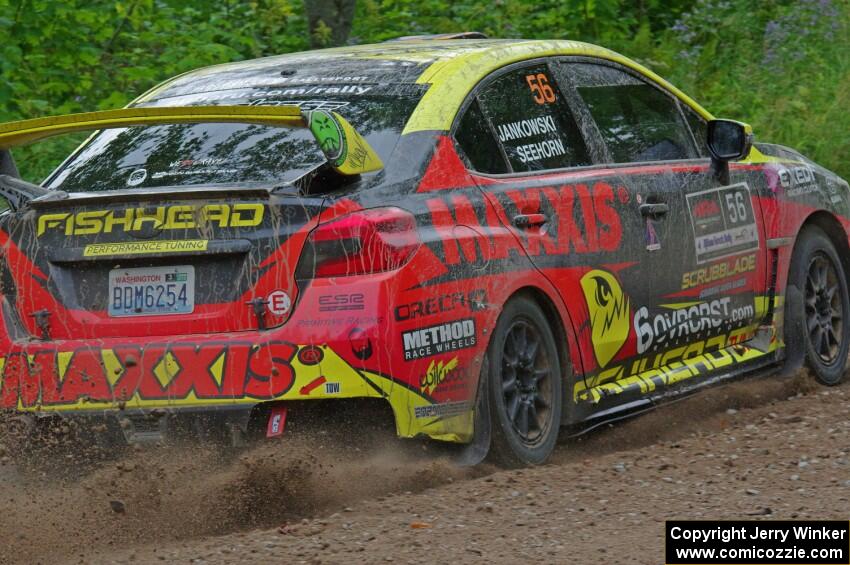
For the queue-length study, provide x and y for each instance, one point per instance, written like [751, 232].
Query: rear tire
[524, 385]
[824, 311]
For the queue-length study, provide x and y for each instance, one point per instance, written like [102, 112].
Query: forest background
[782, 66]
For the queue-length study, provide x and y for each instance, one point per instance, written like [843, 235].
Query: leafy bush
[784, 67]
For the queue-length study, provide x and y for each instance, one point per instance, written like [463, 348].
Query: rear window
[215, 154]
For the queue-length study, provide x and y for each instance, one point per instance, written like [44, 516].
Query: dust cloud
[162, 494]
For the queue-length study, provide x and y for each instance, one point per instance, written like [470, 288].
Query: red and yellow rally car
[496, 238]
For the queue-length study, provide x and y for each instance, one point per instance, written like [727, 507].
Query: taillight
[371, 241]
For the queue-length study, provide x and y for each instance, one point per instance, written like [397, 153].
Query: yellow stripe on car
[452, 79]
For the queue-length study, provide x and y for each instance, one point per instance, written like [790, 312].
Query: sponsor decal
[318, 90]
[137, 177]
[440, 338]
[798, 181]
[707, 208]
[314, 79]
[341, 302]
[278, 302]
[303, 104]
[207, 162]
[438, 373]
[584, 221]
[164, 372]
[144, 247]
[286, 90]
[683, 321]
[308, 97]
[256, 98]
[832, 189]
[722, 288]
[473, 300]
[341, 321]
[446, 410]
[190, 172]
[719, 271]
[723, 222]
[329, 134]
[158, 218]
[608, 309]
[189, 167]
[646, 374]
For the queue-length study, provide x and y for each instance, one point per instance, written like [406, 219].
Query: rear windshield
[206, 154]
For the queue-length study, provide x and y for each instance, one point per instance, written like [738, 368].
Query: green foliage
[781, 65]
[784, 67]
[62, 56]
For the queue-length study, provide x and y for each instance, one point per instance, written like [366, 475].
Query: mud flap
[476, 451]
[794, 332]
[277, 422]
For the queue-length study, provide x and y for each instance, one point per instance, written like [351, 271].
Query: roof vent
[437, 36]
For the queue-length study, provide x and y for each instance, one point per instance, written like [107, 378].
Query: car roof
[450, 69]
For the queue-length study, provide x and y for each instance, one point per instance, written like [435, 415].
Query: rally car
[494, 238]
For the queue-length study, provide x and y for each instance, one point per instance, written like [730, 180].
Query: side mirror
[728, 140]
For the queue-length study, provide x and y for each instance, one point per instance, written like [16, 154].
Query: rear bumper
[195, 376]
[330, 348]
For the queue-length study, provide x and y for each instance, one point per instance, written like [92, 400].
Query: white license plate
[150, 291]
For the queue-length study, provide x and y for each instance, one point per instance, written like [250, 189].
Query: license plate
[150, 291]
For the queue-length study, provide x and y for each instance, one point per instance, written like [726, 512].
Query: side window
[477, 142]
[699, 128]
[637, 121]
[532, 121]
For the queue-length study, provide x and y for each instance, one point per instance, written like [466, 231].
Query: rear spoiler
[345, 149]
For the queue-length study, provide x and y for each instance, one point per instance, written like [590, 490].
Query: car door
[574, 217]
[604, 211]
[702, 260]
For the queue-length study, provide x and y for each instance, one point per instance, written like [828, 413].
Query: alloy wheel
[526, 381]
[824, 318]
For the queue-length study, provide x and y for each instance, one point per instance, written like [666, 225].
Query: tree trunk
[329, 21]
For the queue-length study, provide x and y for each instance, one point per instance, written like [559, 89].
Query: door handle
[654, 210]
[525, 221]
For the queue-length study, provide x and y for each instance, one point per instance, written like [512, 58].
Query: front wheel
[822, 317]
[524, 383]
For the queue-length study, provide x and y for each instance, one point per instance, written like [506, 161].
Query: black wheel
[824, 311]
[524, 386]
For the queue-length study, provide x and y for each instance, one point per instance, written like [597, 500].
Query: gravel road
[768, 448]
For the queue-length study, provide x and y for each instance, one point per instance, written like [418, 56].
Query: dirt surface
[769, 448]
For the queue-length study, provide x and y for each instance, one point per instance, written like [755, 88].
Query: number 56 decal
[723, 222]
[539, 86]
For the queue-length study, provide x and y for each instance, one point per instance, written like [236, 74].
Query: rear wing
[345, 150]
